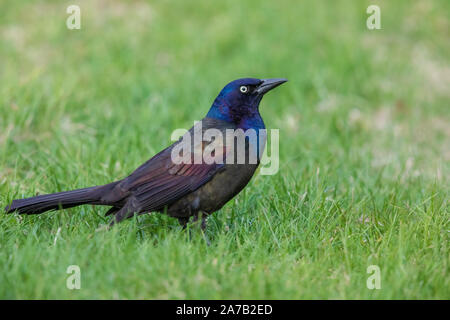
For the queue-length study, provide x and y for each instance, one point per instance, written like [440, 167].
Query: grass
[364, 150]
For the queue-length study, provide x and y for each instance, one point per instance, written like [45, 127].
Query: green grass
[364, 153]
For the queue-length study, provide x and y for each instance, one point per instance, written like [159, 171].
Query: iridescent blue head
[238, 102]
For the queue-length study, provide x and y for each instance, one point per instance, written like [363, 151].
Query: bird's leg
[204, 218]
[204, 221]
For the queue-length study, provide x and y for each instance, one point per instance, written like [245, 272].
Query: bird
[186, 190]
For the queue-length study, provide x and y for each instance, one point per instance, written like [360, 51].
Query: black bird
[187, 188]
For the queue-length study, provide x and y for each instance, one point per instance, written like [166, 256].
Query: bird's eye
[243, 89]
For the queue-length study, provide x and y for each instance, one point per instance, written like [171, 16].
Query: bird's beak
[269, 84]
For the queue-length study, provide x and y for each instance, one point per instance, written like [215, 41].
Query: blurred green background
[364, 153]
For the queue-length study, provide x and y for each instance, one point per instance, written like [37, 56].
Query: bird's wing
[160, 181]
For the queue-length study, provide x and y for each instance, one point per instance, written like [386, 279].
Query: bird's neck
[244, 121]
[244, 118]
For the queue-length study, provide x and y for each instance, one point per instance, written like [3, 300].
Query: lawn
[364, 147]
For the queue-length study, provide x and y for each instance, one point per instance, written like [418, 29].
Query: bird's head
[239, 100]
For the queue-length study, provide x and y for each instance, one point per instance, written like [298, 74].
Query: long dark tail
[60, 200]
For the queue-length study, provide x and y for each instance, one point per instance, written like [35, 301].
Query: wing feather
[160, 182]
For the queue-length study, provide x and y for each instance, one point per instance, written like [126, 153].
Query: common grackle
[186, 188]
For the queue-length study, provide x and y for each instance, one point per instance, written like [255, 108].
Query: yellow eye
[243, 89]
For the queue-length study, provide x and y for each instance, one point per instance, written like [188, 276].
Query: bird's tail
[60, 200]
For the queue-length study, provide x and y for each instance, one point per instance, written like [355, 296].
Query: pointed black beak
[269, 84]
